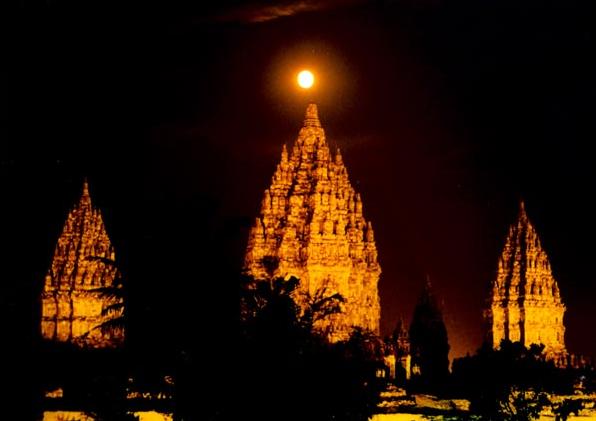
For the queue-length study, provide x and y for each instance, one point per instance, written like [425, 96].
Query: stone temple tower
[312, 226]
[76, 298]
[525, 305]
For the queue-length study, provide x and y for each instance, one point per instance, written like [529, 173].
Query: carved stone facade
[525, 304]
[312, 227]
[76, 297]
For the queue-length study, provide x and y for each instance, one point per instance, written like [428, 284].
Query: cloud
[259, 12]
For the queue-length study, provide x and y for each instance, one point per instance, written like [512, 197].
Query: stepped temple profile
[312, 226]
[525, 304]
[429, 343]
[76, 302]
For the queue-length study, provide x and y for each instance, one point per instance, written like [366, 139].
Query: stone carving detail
[312, 226]
[525, 304]
[73, 304]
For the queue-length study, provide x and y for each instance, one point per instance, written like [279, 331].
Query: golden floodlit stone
[312, 226]
[525, 304]
[75, 301]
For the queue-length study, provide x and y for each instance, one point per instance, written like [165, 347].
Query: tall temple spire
[525, 303]
[312, 226]
[73, 304]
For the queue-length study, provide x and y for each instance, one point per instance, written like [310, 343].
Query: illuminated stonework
[83, 263]
[311, 226]
[525, 304]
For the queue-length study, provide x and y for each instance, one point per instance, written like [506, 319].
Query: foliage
[522, 404]
[510, 383]
[114, 294]
[286, 368]
[563, 409]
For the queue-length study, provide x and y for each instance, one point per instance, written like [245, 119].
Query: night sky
[447, 114]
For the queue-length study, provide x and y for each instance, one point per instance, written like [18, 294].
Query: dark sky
[447, 113]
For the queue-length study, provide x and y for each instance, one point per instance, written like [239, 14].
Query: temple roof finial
[427, 284]
[85, 196]
[522, 210]
[338, 158]
[85, 187]
[311, 118]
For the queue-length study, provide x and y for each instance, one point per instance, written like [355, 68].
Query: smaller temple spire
[85, 187]
[338, 158]
[284, 154]
[401, 329]
[523, 216]
[370, 234]
[429, 341]
[85, 196]
[311, 118]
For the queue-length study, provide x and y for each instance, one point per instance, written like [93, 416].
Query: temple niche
[312, 226]
[80, 298]
[525, 304]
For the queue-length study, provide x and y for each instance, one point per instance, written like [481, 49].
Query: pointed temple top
[338, 158]
[524, 268]
[522, 210]
[427, 296]
[86, 188]
[85, 200]
[427, 284]
[400, 328]
[311, 118]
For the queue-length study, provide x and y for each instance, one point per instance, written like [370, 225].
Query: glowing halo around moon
[306, 79]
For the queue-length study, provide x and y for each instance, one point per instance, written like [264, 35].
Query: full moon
[306, 79]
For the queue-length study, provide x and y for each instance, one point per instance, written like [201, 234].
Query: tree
[115, 295]
[285, 368]
[106, 391]
[509, 383]
[563, 409]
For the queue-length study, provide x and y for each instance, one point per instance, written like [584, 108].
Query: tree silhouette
[115, 295]
[283, 367]
[509, 383]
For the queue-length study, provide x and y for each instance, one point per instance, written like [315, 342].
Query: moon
[306, 79]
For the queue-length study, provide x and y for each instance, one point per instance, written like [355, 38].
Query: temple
[525, 305]
[429, 343]
[403, 358]
[81, 303]
[312, 226]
